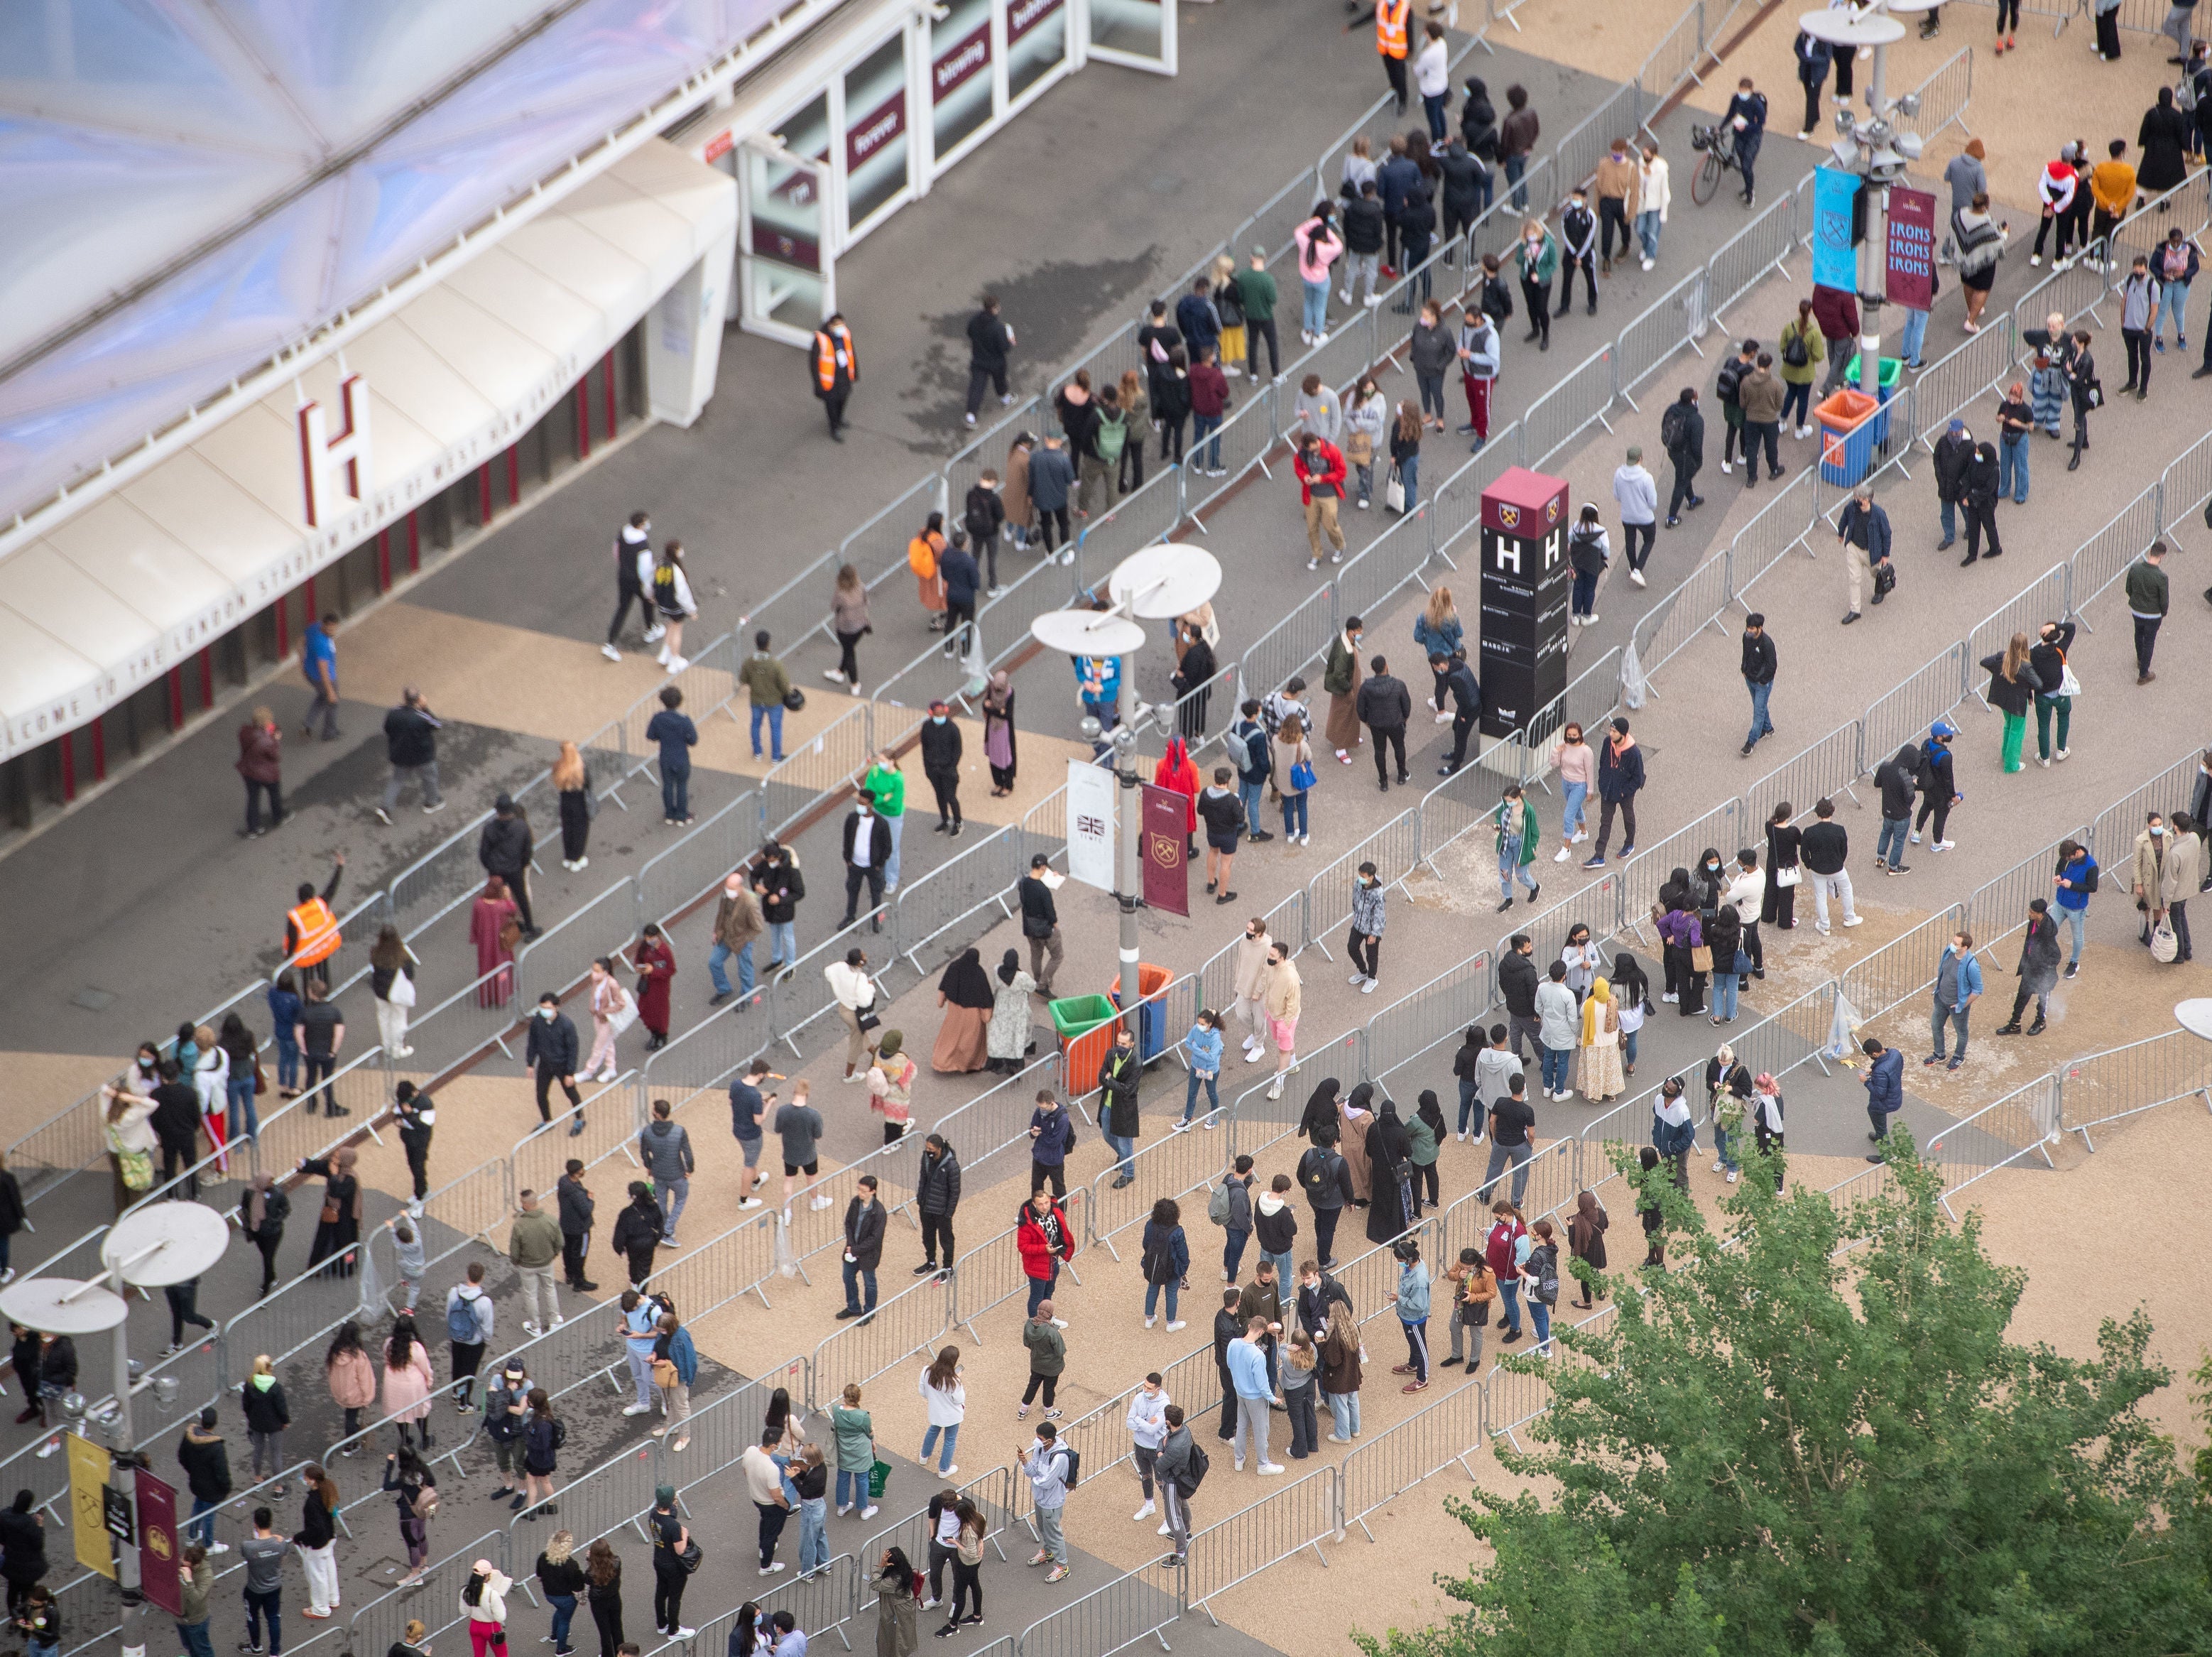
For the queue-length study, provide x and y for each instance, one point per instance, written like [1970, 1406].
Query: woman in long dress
[1601, 1077]
[1007, 1041]
[998, 739]
[338, 1230]
[1321, 1108]
[964, 993]
[1390, 1164]
[495, 928]
[656, 965]
[1353, 1120]
[1342, 681]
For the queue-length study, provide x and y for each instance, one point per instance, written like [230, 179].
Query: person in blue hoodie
[1958, 986]
[1202, 1048]
[1885, 1086]
[1939, 790]
[2073, 880]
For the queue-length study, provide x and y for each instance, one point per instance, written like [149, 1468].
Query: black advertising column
[1526, 581]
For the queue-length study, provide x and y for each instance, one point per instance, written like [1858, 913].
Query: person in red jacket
[1209, 401]
[260, 762]
[1836, 313]
[1177, 771]
[1045, 1239]
[1319, 466]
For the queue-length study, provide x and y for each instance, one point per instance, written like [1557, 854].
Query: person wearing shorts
[1281, 1001]
[798, 1125]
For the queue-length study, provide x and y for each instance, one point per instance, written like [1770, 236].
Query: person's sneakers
[634, 1408]
[1144, 1512]
[2072, 968]
[1854, 920]
[1595, 863]
[1410, 1386]
[1056, 1574]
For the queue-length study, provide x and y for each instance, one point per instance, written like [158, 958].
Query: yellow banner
[88, 1465]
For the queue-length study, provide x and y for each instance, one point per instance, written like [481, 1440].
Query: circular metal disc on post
[2195, 1016]
[1162, 582]
[1849, 28]
[1912, 8]
[61, 1305]
[1088, 632]
[165, 1243]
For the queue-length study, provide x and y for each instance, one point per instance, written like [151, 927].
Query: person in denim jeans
[1897, 777]
[1247, 751]
[853, 1431]
[1209, 404]
[283, 1014]
[1560, 1032]
[2016, 423]
[779, 885]
[2073, 880]
[811, 1477]
[1291, 752]
[1202, 1048]
[1958, 986]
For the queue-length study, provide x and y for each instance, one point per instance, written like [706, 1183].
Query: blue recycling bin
[1848, 420]
[1892, 370]
[1153, 1016]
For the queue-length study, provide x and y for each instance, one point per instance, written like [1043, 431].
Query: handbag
[137, 1169]
[1790, 876]
[2068, 685]
[623, 1015]
[795, 700]
[2164, 946]
[402, 989]
[1701, 958]
[665, 1373]
[692, 1557]
[1302, 776]
[1394, 493]
[878, 1476]
[329, 1215]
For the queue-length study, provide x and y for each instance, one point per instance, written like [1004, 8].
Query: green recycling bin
[1084, 1024]
[1892, 370]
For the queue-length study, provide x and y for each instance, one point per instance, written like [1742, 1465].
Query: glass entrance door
[1141, 34]
[788, 273]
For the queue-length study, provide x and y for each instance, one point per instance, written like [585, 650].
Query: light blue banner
[1835, 265]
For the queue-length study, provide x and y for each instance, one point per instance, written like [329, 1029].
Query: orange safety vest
[834, 349]
[1390, 26]
[317, 932]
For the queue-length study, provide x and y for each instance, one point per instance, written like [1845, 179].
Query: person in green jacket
[853, 1433]
[1800, 340]
[1517, 835]
[1537, 256]
[887, 783]
[1255, 290]
[768, 685]
[1425, 1134]
[1047, 1349]
[194, 1578]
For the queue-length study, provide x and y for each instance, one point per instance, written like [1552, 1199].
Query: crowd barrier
[2021, 1122]
[2103, 1087]
[1903, 967]
[1124, 1613]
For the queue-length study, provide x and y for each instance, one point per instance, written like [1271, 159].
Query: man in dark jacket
[1119, 1077]
[1326, 1178]
[864, 1249]
[1757, 669]
[1897, 777]
[1040, 922]
[1052, 1135]
[1682, 435]
[1516, 985]
[1384, 706]
[1228, 1325]
[867, 850]
[1155, 340]
[1864, 526]
[988, 341]
[551, 1049]
[1825, 850]
[1885, 1087]
[940, 764]
[1364, 228]
[2039, 968]
[779, 886]
[573, 1199]
[503, 849]
[1398, 178]
[963, 579]
[410, 743]
[1619, 778]
[1195, 315]
[936, 1199]
[637, 1232]
[985, 514]
[1459, 683]
[416, 1114]
[1954, 450]
[1466, 181]
[206, 1463]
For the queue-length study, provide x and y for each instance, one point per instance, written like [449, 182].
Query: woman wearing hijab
[1586, 1228]
[1389, 1159]
[1321, 1109]
[1007, 1039]
[1427, 1131]
[1673, 1136]
[1727, 1088]
[1175, 772]
[890, 1086]
[1602, 1076]
[1767, 1120]
[339, 1229]
[964, 993]
[999, 733]
[495, 928]
[1352, 1119]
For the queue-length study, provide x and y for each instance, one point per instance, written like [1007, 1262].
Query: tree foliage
[1812, 1434]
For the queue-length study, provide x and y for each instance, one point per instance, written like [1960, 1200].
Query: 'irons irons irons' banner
[1909, 261]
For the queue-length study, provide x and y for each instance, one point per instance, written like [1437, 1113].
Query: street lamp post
[151, 1247]
[1158, 583]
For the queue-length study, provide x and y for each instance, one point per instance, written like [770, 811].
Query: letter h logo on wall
[335, 468]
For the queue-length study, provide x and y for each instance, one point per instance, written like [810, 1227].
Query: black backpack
[1195, 1473]
[1793, 353]
[1730, 378]
[1670, 426]
[1074, 1464]
[1542, 1272]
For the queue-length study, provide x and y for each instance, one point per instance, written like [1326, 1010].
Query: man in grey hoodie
[665, 1149]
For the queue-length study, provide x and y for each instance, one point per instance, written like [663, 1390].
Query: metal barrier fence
[1944, 96]
[1446, 1435]
[911, 1321]
[1298, 1516]
[1413, 1025]
[1998, 907]
[2044, 599]
[1827, 770]
[1699, 600]
[2112, 836]
[2023, 1120]
[992, 1493]
[1671, 324]
[1743, 261]
[2105, 556]
[436, 1598]
[2106, 1087]
[1292, 645]
[1176, 1165]
[1904, 714]
[1642, 875]
[1126, 1612]
[1394, 850]
[821, 1602]
[1902, 968]
[1242, 442]
[1790, 520]
[1577, 400]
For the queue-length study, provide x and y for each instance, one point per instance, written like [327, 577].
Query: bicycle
[1719, 151]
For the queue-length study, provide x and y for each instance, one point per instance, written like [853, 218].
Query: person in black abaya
[1321, 1108]
[1390, 1171]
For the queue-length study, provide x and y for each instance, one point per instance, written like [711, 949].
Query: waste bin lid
[1845, 409]
[1074, 1014]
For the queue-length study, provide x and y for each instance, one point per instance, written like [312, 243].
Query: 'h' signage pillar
[1525, 583]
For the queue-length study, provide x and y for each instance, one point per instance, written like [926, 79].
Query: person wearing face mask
[551, 1049]
[1536, 257]
[1342, 679]
[1578, 237]
[2039, 966]
[940, 764]
[867, 850]
[2146, 878]
[737, 924]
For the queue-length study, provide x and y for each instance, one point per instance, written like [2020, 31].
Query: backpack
[2185, 95]
[1195, 1475]
[1670, 426]
[1794, 354]
[1542, 1272]
[1217, 1207]
[1074, 1464]
[1109, 436]
[461, 1321]
[1731, 378]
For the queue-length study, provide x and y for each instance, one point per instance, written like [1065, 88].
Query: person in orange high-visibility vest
[1393, 19]
[836, 367]
[310, 930]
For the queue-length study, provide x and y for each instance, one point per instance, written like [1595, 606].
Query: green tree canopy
[1812, 1434]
